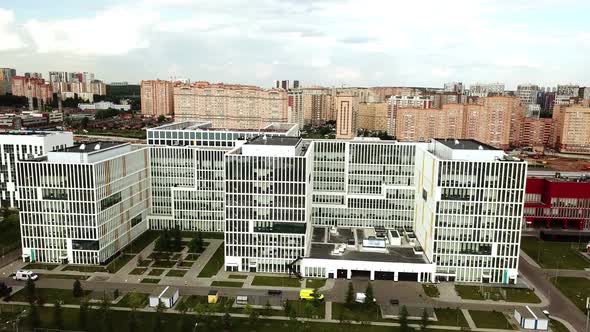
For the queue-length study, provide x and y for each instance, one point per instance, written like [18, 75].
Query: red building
[558, 202]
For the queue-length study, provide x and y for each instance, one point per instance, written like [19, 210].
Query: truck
[308, 294]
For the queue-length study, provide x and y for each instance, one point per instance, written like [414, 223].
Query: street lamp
[195, 328]
[19, 317]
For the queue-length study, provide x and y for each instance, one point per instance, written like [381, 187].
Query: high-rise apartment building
[6, 75]
[536, 132]
[572, 128]
[454, 87]
[22, 145]
[84, 203]
[527, 93]
[310, 106]
[157, 98]
[373, 116]
[346, 107]
[486, 90]
[230, 106]
[421, 125]
[405, 101]
[32, 88]
[469, 208]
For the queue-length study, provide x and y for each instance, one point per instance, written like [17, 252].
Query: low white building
[166, 296]
[531, 318]
[104, 105]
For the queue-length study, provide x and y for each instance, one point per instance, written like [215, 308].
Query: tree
[30, 290]
[83, 315]
[158, 325]
[77, 289]
[287, 308]
[161, 118]
[58, 319]
[106, 323]
[267, 309]
[177, 243]
[84, 122]
[33, 318]
[424, 322]
[403, 319]
[369, 297]
[308, 309]
[253, 317]
[200, 241]
[132, 323]
[227, 321]
[350, 294]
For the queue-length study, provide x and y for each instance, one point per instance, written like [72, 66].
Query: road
[560, 305]
[147, 288]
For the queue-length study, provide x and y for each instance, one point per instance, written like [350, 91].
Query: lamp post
[195, 328]
[19, 317]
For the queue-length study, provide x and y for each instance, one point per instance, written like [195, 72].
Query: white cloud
[9, 40]
[114, 31]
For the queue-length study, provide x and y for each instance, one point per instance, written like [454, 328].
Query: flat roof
[393, 254]
[207, 126]
[464, 144]
[91, 147]
[275, 140]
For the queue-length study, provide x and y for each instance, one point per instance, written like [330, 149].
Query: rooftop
[275, 140]
[392, 254]
[91, 147]
[464, 144]
[207, 126]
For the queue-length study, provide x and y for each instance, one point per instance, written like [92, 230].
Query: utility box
[212, 297]
[531, 318]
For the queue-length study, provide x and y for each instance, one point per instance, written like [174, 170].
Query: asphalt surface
[560, 305]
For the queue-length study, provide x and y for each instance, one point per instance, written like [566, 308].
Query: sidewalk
[529, 259]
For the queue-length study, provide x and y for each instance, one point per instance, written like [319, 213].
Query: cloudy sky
[319, 42]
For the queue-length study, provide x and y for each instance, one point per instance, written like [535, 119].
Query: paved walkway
[468, 318]
[447, 292]
[328, 310]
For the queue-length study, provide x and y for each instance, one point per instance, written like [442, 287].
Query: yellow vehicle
[308, 294]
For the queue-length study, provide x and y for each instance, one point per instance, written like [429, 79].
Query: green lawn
[145, 263]
[150, 281]
[133, 299]
[556, 326]
[156, 272]
[186, 264]
[214, 264]
[315, 283]
[176, 273]
[50, 295]
[119, 262]
[170, 323]
[63, 276]
[359, 312]
[238, 284]
[317, 310]
[40, 266]
[85, 268]
[220, 306]
[450, 317]
[521, 295]
[431, 290]
[144, 240]
[159, 255]
[553, 255]
[192, 257]
[490, 319]
[469, 292]
[138, 271]
[575, 289]
[276, 281]
[164, 264]
[237, 276]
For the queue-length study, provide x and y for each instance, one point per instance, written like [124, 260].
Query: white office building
[469, 210]
[21, 145]
[84, 203]
[486, 90]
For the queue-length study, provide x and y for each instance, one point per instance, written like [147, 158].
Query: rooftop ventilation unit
[456, 142]
[83, 147]
[480, 147]
[97, 147]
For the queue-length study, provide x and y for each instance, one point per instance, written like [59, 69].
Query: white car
[546, 312]
[25, 275]
[360, 298]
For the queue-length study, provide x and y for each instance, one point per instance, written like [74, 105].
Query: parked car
[360, 298]
[275, 292]
[25, 275]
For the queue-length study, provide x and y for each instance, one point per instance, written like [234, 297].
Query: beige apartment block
[497, 107]
[572, 128]
[346, 107]
[157, 98]
[416, 124]
[373, 116]
[31, 88]
[230, 106]
[536, 132]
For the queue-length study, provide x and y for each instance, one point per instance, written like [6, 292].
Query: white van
[24, 275]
